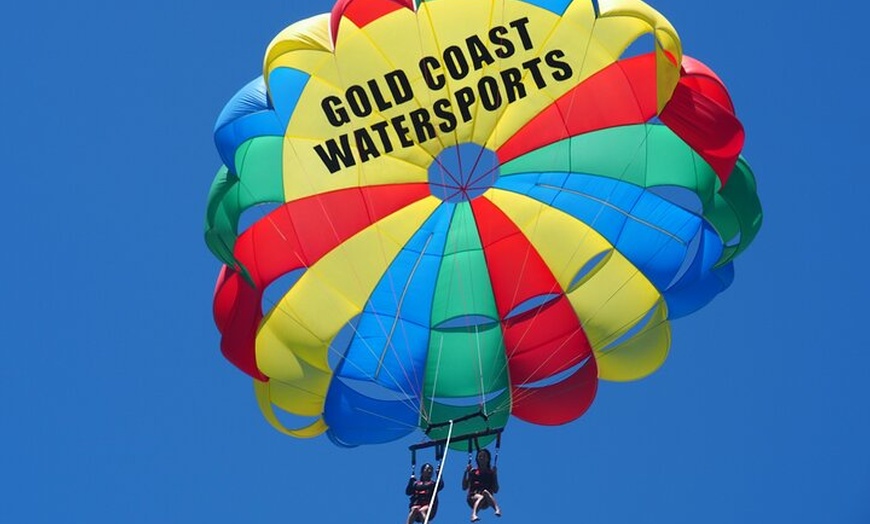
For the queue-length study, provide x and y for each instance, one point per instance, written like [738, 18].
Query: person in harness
[423, 495]
[482, 485]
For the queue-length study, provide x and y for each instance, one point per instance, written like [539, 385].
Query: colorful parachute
[476, 206]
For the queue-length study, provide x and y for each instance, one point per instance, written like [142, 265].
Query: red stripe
[292, 237]
[701, 78]
[238, 315]
[300, 233]
[364, 12]
[558, 403]
[621, 94]
[517, 271]
[546, 340]
[700, 112]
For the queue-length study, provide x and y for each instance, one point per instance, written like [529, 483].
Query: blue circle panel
[463, 172]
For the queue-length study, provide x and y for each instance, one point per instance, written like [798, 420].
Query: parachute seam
[385, 57]
[575, 359]
[628, 215]
[388, 344]
[480, 370]
[549, 36]
[527, 393]
[329, 347]
[357, 166]
[384, 417]
[362, 310]
[434, 384]
[556, 287]
[475, 230]
[423, 415]
[570, 159]
[478, 106]
[428, 18]
[447, 78]
[644, 146]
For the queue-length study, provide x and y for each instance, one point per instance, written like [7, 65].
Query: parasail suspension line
[441, 464]
[480, 370]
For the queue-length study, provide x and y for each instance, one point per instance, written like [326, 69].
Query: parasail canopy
[429, 209]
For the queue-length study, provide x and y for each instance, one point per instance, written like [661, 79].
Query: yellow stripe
[263, 391]
[311, 34]
[640, 355]
[305, 174]
[632, 18]
[356, 62]
[293, 341]
[609, 301]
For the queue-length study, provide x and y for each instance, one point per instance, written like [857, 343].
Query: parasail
[463, 207]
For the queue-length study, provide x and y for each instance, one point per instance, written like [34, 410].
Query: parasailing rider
[421, 495]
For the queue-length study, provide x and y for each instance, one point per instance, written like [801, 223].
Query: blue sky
[118, 407]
